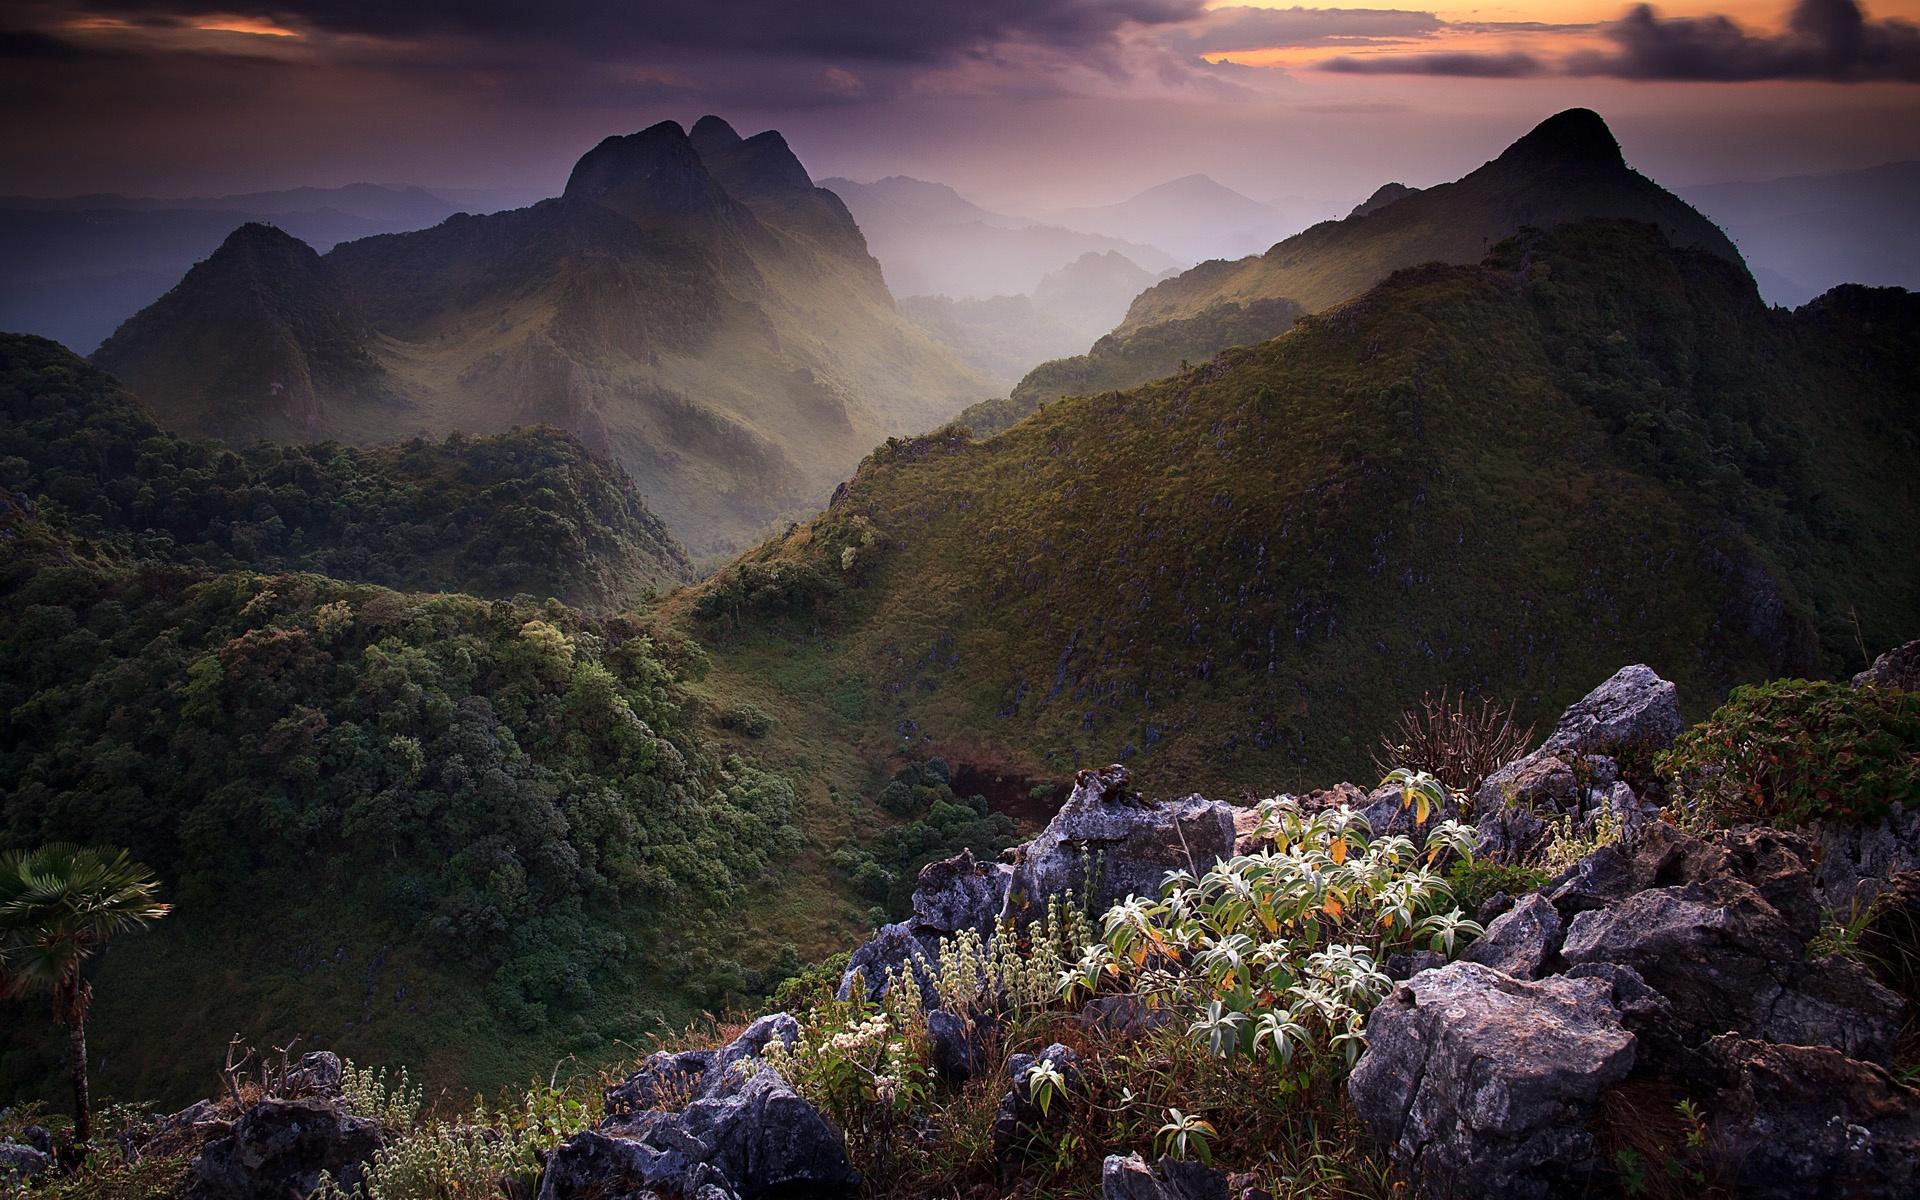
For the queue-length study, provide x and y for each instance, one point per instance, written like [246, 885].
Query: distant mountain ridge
[1804, 234]
[74, 268]
[932, 241]
[1568, 168]
[1194, 217]
[526, 511]
[690, 306]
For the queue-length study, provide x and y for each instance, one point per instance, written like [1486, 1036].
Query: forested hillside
[1494, 477]
[525, 511]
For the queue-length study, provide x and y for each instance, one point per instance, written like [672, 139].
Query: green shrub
[748, 719]
[1798, 750]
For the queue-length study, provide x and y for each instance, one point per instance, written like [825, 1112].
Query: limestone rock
[280, 1148]
[1483, 1085]
[1796, 1121]
[1896, 670]
[1129, 844]
[1130, 1178]
[1523, 941]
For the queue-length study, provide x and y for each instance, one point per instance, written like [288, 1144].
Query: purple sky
[1024, 104]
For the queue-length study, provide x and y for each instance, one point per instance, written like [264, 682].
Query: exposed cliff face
[691, 306]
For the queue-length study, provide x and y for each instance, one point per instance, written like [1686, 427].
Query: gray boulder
[1128, 843]
[959, 893]
[1523, 941]
[949, 897]
[316, 1074]
[1387, 813]
[1634, 712]
[957, 1046]
[1480, 1084]
[765, 1139]
[18, 1162]
[281, 1148]
[894, 951]
[1896, 670]
[1797, 1121]
[672, 1080]
[1129, 1177]
[1856, 860]
[707, 1119]
[1575, 772]
[1727, 961]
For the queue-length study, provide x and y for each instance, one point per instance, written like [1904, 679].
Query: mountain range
[1495, 476]
[73, 268]
[1806, 233]
[932, 241]
[1004, 336]
[1194, 218]
[1566, 169]
[691, 306]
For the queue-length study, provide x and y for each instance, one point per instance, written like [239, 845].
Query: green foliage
[1128, 359]
[514, 790]
[491, 1150]
[367, 1092]
[747, 719]
[938, 824]
[1474, 881]
[1798, 750]
[528, 511]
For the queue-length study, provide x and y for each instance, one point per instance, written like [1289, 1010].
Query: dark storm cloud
[1242, 28]
[1824, 39]
[1476, 66]
[901, 31]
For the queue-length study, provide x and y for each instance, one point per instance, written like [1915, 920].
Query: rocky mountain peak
[1576, 137]
[711, 133]
[654, 171]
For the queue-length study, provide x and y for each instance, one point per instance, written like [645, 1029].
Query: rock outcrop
[1105, 844]
[1480, 1084]
[1128, 1177]
[19, 1163]
[281, 1148]
[707, 1124]
[1898, 669]
[1576, 772]
[951, 896]
[1020, 1109]
[1675, 958]
[1796, 1121]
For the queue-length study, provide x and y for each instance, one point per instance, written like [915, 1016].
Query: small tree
[58, 904]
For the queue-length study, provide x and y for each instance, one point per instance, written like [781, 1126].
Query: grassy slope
[1237, 576]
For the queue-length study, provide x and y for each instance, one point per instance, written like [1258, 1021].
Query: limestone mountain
[1569, 168]
[260, 339]
[1382, 196]
[691, 307]
[1495, 476]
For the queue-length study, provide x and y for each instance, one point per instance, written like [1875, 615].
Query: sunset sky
[1022, 103]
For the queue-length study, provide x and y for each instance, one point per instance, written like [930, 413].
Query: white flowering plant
[1278, 952]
